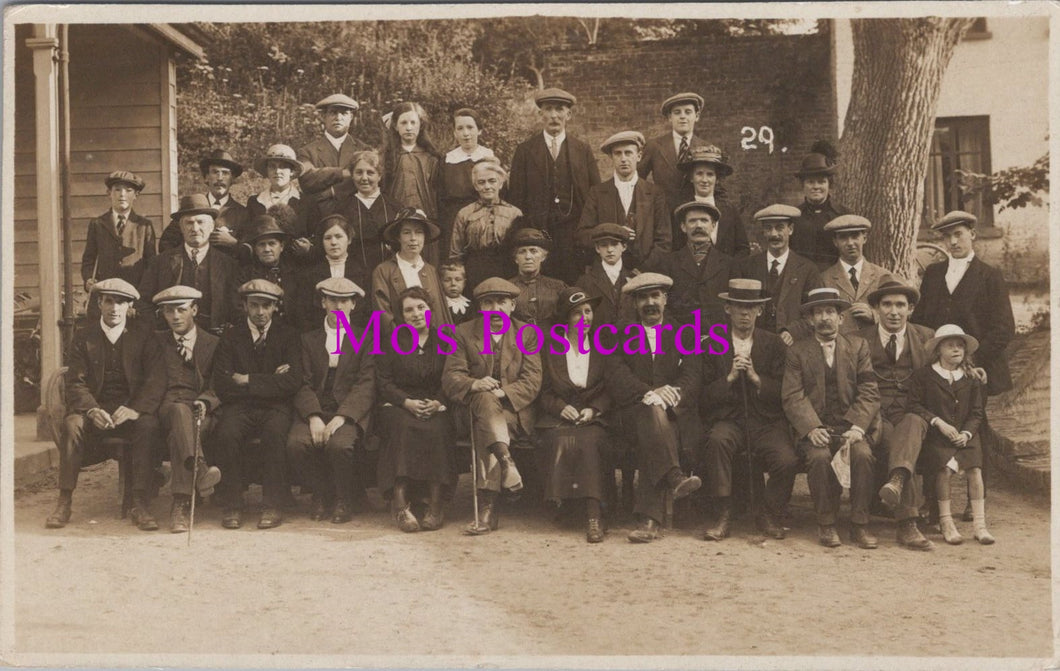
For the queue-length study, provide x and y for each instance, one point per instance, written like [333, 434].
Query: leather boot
[860, 536]
[891, 493]
[140, 513]
[180, 515]
[206, 477]
[61, 515]
[720, 530]
[828, 536]
[342, 513]
[680, 485]
[646, 532]
[909, 535]
[594, 533]
[769, 526]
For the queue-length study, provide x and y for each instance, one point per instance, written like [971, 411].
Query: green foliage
[1012, 188]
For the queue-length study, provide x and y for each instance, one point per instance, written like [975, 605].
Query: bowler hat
[647, 282]
[947, 331]
[706, 155]
[554, 95]
[744, 291]
[680, 210]
[260, 289]
[892, 285]
[411, 214]
[177, 294]
[338, 100]
[495, 286]
[570, 298]
[816, 164]
[955, 218]
[222, 158]
[623, 137]
[281, 153]
[197, 203]
[125, 177]
[115, 286]
[265, 226]
[821, 297]
[682, 99]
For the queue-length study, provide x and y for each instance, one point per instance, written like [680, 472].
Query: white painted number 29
[763, 135]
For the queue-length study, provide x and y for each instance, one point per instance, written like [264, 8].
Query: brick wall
[784, 82]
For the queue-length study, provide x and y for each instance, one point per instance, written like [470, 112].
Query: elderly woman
[480, 229]
[455, 190]
[705, 167]
[537, 300]
[409, 233]
[817, 175]
[416, 461]
[572, 403]
[282, 167]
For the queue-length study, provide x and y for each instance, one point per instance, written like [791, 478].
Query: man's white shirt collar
[112, 332]
[858, 266]
[255, 333]
[677, 141]
[559, 138]
[336, 142]
[612, 271]
[189, 338]
[783, 259]
[196, 253]
[218, 203]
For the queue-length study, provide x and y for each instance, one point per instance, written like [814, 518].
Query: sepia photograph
[527, 336]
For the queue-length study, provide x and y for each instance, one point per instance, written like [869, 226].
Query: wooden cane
[747, 443]
[474, 467]
[194, 472]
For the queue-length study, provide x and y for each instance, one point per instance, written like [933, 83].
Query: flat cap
[526, 237]
[264, 226]
[411, 214]
[686, 98]
[778, 211]
[125, 177]
[848, 222]
[177, 294]
[890, 284]
[706, 155]
[115, 286]
[222, 158]
[623, 137]
[679, 211]
[339, 287]
[554, 95]
[743, 290]
[609, 232]
[495, 286]
[197, 203]
[338, 100]
[281, 153]
[823, 296]
[647, 282]
[955, 218]
[260, 289]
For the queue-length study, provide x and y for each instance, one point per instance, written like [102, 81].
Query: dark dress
[809, 237]
[960, 405]
[367, 246]
[575, 461]
[421, 451]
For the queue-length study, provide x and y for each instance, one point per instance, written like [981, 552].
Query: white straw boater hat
[947, 331]
[823, 296]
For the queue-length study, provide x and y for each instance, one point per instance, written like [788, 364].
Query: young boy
[608, 274]
[454, 280]
[663, 153]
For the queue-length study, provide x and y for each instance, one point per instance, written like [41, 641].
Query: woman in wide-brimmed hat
[817, 175]
[282, 198]
[572, 407]
[409, 234]
[705, 167]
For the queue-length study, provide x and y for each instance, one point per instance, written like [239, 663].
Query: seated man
[699, 269]
[257, 372]
[741, 405]
[113, 388]
[499, 383]
[831, 399]
[852, 276]
[654, 393]
[334, 407]
[608, 274]
[187, 356]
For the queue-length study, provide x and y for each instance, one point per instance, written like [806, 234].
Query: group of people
[228, 339]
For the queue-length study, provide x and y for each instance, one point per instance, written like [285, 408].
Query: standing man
[326, 161]
[741, 405]
[499, 384]
[898, 348]
[113, 388]
[256, 374]
[634, 203]
[963, 290]
[662, 154]
[699, 270]
[785, 275]
[853, 276]
[196, 264]
[832, 401]
[187, 357]
[218, 170]
[551, 175]
[655, 391]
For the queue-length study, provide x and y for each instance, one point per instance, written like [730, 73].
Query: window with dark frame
[958, 143]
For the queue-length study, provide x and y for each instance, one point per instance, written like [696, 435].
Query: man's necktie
[682, 153]
[259, 342]
[121, 224]
[774, 277]
[182, 348]
[195, 259]
[892, 349]
[553, 147]
[854, 278]
[829, 353]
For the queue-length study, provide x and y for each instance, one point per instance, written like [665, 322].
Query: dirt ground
[533, 588]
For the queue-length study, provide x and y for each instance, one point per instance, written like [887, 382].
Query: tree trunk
[898, 69]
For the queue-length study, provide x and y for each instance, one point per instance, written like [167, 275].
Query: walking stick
[194, 472]
[474, 476]
[747, 442]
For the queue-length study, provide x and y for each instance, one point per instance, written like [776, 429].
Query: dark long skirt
[574, 462]
[937, 452]
[419, 451]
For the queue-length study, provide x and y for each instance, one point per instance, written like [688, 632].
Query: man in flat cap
[832, 401]
[965, 291]
[499, 383]
[119, 242]
[785, 275]
[551, 175]
[187, 356]
[269, 261]
[740, 405]
[218, 171]
[700, 270]
[608, 275]
[852, 275]
[257, 372]
[113, 389]
[897, 348]
[536, 302]
[334, 407]
[662, 154]
[654, 389]
[327, 160]
[625, 199]
[198, 264]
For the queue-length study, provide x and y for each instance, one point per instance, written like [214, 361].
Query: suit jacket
[803, 389]
[660, 161]
[140, 363]
[980, 305]
[235, 354]
[835, 277]
[520, 373]
[648, 216]
[916, 337]
[615, 307]
[723, 401]
[354, 386]
[320, 153]
[202, 356]
[164, 272]
[961, 404]
[387, 285]
[105, 256]
[528, 188]
[557, 391]
[234, 215]
[696, 287]
[630, 376]
[799, 276]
